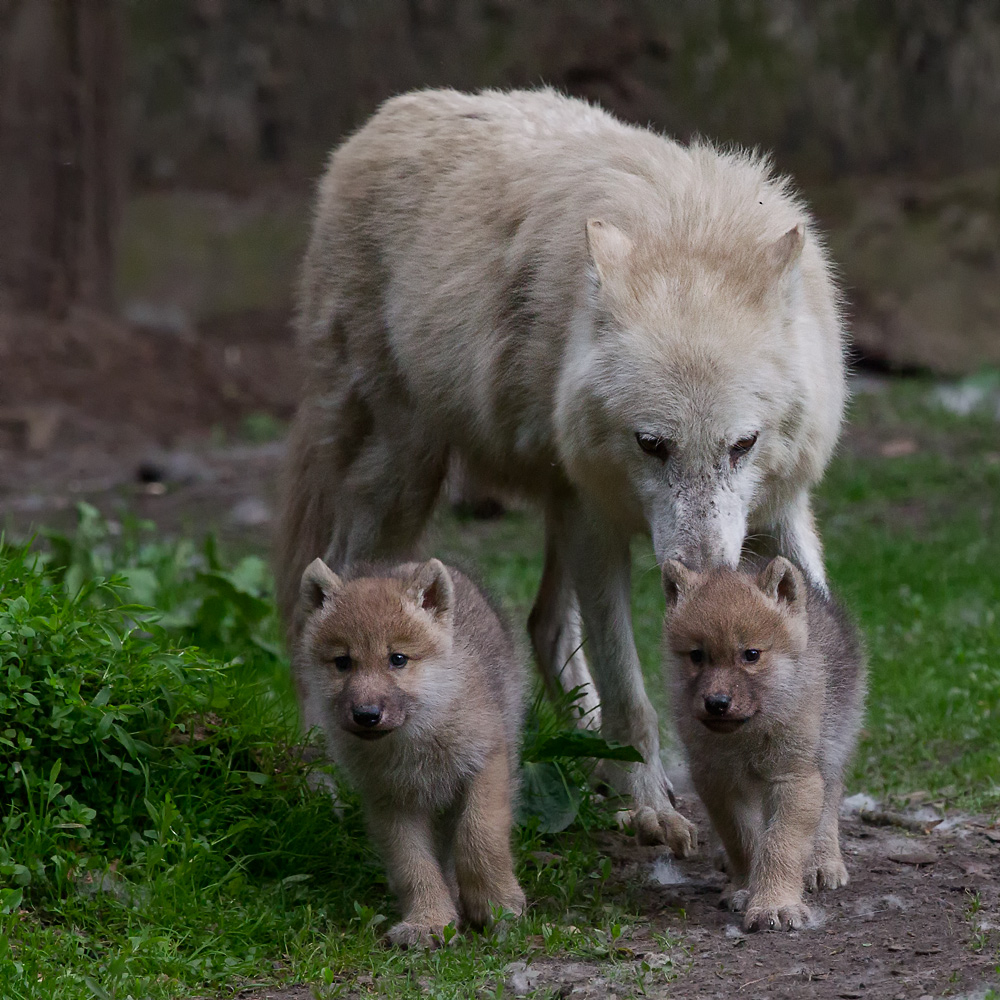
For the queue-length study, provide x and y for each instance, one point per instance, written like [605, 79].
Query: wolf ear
[432, 589]
[678, 582]
[785, 251]
[782, 582]
[608, 247]
[319, 583]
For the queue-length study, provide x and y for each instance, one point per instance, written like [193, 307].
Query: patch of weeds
[161, 835]
[261, 427]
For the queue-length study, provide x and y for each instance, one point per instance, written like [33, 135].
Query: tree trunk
[61, 151]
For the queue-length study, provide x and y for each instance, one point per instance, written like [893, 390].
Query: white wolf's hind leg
[385, 497]
[600, 566]
[556, 635]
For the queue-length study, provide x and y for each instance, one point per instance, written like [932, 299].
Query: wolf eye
[398, 659]
[751, 655]
[652, 445]
[342, 663]
[697, 656]
[738, 450]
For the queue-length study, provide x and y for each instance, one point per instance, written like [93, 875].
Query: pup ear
[785, 251]
[608, 247]
[319, 583]
[782, 582]
[432, 589]
[678, 582]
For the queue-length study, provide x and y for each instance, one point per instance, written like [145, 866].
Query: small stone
[250, 513]
[916, 859]
[521, 978]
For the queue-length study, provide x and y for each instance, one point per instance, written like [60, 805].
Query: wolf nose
[717, 704]
[367, 715]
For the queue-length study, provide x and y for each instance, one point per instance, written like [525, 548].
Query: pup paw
[477, 910]
[785, 916]
[734, 899]
[406, 935]
[826, 873]
[665, 827]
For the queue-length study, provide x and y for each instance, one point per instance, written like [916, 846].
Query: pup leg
[799, 540]
[827, 870]
[792, 811]
[444, 840]
[738, 829]
[556, 636]
[406, 842]
[600, 565]
[483, 862]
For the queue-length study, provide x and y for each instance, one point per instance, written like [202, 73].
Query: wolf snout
[717, 704]
[367, 716]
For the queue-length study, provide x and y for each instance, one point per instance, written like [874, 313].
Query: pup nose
[367, 715]
[717, 704]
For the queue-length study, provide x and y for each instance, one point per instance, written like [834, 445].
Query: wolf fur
[641, 336]
[768, 680]
[431, 743]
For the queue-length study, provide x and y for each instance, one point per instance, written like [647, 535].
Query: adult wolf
[643, 336]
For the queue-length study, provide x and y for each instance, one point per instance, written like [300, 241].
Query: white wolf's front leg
[798, 539]
[556, 635]
[600, 565]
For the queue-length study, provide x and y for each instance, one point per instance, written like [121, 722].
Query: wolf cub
[768, 679]
[419, 695]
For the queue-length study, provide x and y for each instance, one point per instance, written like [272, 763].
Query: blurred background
[157, 159]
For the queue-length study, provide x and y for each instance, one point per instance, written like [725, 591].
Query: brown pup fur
[768, 679]
[418, 691]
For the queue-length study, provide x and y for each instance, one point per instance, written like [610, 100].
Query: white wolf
[643, 336]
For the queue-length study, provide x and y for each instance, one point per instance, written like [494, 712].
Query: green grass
[160, 836]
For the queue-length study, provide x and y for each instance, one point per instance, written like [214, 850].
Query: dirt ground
[919, 919]
[170, 427]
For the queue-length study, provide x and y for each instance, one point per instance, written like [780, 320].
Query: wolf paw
[477, 910]
[787, 917]
[734, 899]
[667, 827]
[406, 935]
[826, 873]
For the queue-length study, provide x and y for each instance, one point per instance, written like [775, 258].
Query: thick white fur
[455, 298]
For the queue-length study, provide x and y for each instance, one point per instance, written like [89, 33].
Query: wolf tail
[305, 518]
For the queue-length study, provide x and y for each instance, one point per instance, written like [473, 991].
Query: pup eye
[697, 656]
[342, 663]
[398, 659]
[751, 655]
[652, 445]
[738, 450]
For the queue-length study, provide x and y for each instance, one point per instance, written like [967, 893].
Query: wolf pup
[768, 680]
[420, 698]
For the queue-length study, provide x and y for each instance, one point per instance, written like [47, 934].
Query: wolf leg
[600, 565]
[385, 497]
[556, 636]
[792, 811]
[737, 823]
[483, 862]
[827, 870]
[799, 540]
[406, 842]
[361, 478]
